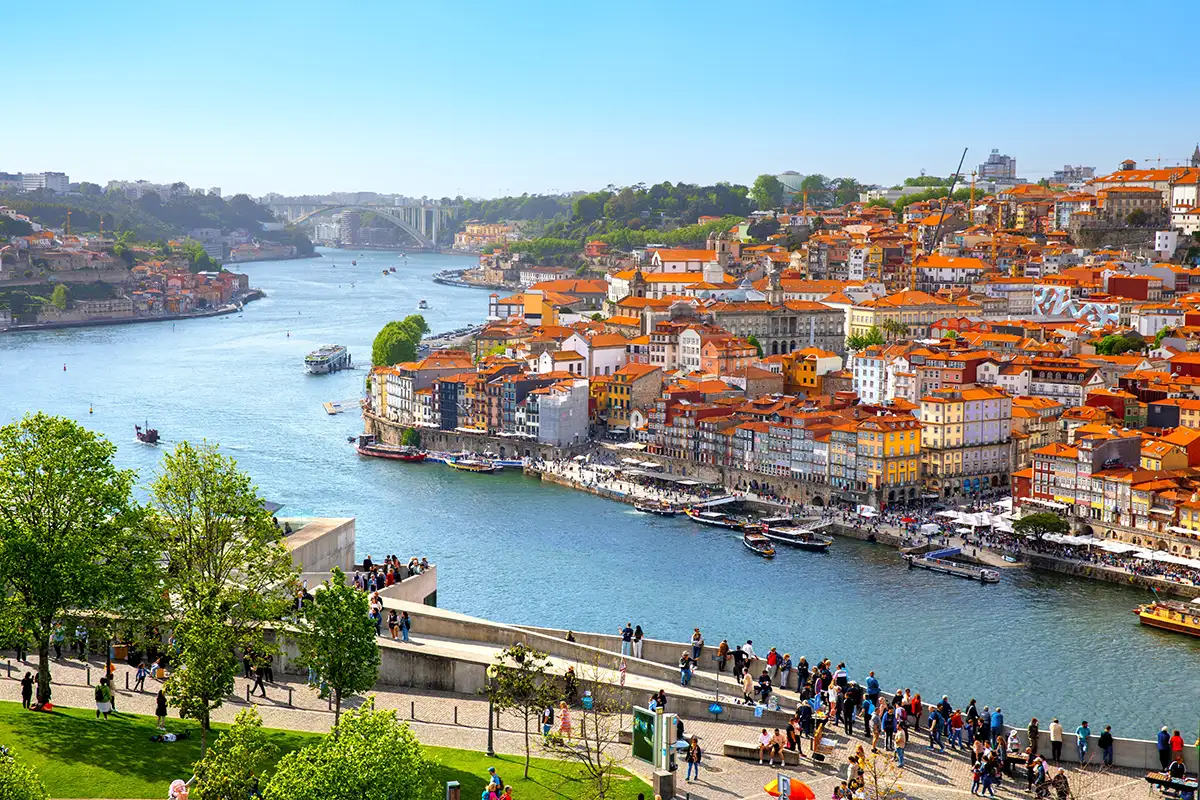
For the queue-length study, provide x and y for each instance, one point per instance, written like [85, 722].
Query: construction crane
[937, 232]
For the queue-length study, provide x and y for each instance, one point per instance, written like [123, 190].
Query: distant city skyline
[485, 100]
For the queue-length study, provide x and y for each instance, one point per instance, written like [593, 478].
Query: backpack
[99, 694]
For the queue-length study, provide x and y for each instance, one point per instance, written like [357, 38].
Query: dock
[939, 561]
[338, 406]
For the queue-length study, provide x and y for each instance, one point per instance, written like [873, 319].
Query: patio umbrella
[907, 520]
[800, 791]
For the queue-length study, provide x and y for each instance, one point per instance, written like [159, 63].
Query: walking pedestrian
[259, 676]
[103, 702]
[693, 759]
[1056, 740]
[722, 655]
[564, 721]
[405, 625]
[901, 742]
[547, 720]
[393, 624]
[139, 681]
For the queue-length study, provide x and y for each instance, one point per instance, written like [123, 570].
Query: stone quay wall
[506, 447]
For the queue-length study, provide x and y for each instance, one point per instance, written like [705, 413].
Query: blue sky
[482, 98]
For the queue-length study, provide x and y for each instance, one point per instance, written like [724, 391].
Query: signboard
[784, 784]
[644, 723]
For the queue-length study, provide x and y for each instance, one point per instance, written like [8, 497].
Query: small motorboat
[713, 518]
[757, 543]
[353, 263]
[472, 465]
[385, 272]
[146, 435]
[651, 508]
[393, 269]
[422, 305]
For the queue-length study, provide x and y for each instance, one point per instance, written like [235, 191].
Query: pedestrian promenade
[449, 720]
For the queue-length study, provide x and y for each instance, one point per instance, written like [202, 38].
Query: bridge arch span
[379, 211]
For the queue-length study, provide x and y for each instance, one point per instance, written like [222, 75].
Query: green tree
[411, 437]
[70, 533]
[393, 345]
[59, 297]
[233, 767]
[752, 339]
[373, 755]
[521, 685]
[1162, 334]
[767, 192]
[18, 781]
[894, 328]
[1137, 217]
[228, 573]
[337, 640]
[1040, 522]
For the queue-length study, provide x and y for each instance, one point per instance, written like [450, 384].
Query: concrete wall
[319, 544]
[420, 589]
[454, 441]
[1102, 573]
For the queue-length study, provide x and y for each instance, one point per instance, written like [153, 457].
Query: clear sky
[442, 97]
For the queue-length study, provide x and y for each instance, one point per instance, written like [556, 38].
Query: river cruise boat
[758, 544]
[330, 358]
[651, 508]
[368, 446]
[472, 465]
[794, 535]
[714, 518]
[1172, 616]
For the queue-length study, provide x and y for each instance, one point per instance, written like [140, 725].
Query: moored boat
[760, 545]
[368, 446]
[713, 518]
[795, 536]
[1171, 616]
[650, 508]
[472, 465]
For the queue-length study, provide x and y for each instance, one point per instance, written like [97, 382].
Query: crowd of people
[373, 577]
[891, 721]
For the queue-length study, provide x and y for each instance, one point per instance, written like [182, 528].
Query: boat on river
[329, 358]
[367, 445]
[1171, 616]
[758, 544]
[473, 465]
[713, 518]
[146, 435]
[422, 305]
[940, 561]
[651, 508]
[779, 530]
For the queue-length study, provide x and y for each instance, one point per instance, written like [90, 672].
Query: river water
[510, 549]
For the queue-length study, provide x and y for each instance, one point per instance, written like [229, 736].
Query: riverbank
[220, 311]
[271, 258]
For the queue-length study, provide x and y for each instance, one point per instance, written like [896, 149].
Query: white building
[562, 412]
[1150, 318]
[54, 181]
[870, 371]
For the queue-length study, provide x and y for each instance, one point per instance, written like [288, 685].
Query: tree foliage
[397, 342]
[373, 755]
[1162, 334]
[228, 573]
[232, 769]
[521, 684]
[58, 297]
[411, 437]
[70, 533]
[752, 339]
[861, 341]
[18, 781]
[767, 192]
[594, 745]
[1040, 522]
[337, 640]
[1115, 345]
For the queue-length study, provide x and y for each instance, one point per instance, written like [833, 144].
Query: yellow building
[917, 310]
[1158, 455]
[889, 457]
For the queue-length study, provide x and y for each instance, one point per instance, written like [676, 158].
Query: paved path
[448, 720]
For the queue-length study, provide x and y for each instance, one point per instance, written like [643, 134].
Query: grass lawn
[79, 756]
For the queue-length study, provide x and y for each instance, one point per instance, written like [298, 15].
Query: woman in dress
[564, 721]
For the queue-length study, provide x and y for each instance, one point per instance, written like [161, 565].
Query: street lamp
[491, 673]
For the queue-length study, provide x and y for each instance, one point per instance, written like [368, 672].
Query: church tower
[775, 284]
[1196, 157]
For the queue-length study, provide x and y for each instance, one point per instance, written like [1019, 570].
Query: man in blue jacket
[1164, 747]
[873, 688]
[997, 725]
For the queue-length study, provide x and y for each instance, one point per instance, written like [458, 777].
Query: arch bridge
[419, 222]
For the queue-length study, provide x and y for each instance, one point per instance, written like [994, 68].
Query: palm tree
[894, 328]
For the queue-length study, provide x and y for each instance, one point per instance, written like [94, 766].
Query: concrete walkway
[448, 720]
